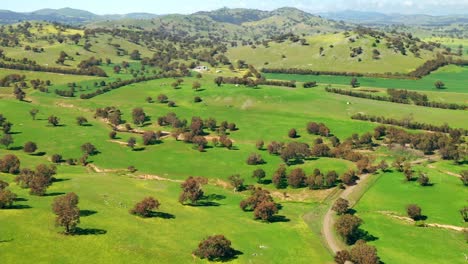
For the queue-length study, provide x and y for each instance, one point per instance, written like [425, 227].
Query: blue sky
[435, 7]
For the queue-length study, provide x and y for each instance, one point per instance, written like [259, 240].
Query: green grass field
[455, 79]
[398, 241]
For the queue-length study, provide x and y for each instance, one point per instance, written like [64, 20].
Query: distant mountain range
[66, 15]
[375, 18]
[234, 16]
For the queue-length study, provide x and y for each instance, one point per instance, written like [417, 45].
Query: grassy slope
[335, 59]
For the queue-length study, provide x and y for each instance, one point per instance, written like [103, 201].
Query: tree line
[399, 96]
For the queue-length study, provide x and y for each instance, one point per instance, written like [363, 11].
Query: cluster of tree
[19, 93]
[37, 180]
[7, 80]
[451, 147]
[309, 84]
[318, 129]
[112, 114]
[261, 203]
[360, 253]
[399, 96]
[120, 83]
[432, 65]
[407, 123]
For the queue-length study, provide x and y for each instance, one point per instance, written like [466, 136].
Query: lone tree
[192, 190]
[131, 142]
[196, 85]
[292, 133]
[88, 148]
[259, 174]
[347, 226]
[67, 211]
[33, 112]
[215, 248]
[53, 120]
[342, 257]
[439, 85]
[464, 213]
[6, 140]
[145, 207]
[10, 164]
[7, 198]
[364, 253]
[354, 82]
[162, 98]
[413, 211]
[255, 159]
[423, 179]
[341, 206]
[81, 120]
[30, 147]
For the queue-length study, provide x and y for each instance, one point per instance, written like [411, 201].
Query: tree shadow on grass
[54, 194]
[60, 180]
[205, 204]
[85, 213]
[38, 154]
[19, 207]
[87, 125]
[6, 240]
[139, 149]
[234, 255]
[20, 199]
[162, 215]
[365, 235]
[89, 231]
[16, 148]
[265, 182]
[214, 197]
[279, 218]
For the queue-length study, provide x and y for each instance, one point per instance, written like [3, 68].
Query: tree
[53, 120]
[464, 177]
[259, 145]
[67, 212]
[218, 81]
[295, 151]
[6, 140]
[341, 206]
[7, 198]
[197, 99]
[112, 135]
[292, 133]
[265, 211]
[349, 177]
[149, 138]
[413, 211]
[88, 148]
[139, 116]
[255, 159]
[81, 120]
[423, 179]
[439, 85]
[131, 142]
[56, 158]
[215, 248]
[192, 190]
[135, 55]
[33, 112]
[347, 226]
[145, 207]
[259, 174]
[10, 164]
[196, 85]
[362, 253]
[162, 98]
[30, 147]
[237, 182]
[464, 213]
[279, 177]
[296, 178]
[342, 257]
[354, 82]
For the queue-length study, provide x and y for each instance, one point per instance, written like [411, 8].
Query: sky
[432, 7]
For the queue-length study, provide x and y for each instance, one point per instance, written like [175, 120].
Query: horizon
[432, 8]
